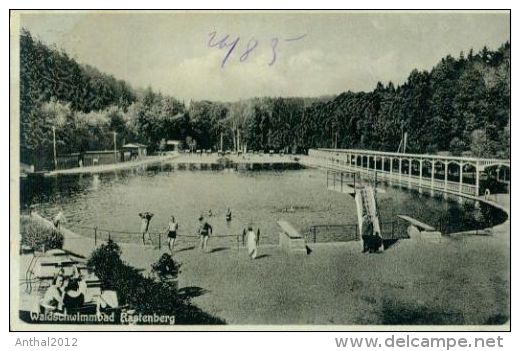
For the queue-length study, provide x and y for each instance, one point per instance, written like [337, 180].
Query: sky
[233, 56]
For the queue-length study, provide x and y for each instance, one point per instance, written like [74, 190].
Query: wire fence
[320, 233]
[157, 239]
[323, 233]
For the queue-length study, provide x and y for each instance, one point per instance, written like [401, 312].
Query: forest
[461, 106]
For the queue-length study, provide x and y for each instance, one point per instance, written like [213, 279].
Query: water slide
[366, 203]
[364, 195]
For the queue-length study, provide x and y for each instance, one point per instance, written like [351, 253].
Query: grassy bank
[460, 281]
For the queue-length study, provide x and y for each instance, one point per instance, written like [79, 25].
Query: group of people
[65, 293]
[205, 230]
[372, 239]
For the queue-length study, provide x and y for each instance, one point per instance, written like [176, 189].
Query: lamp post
[54, 146]
[115, 147]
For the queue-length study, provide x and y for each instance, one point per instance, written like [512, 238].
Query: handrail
[401, 155]
[140, 233]
[405, 178]
[313, 230]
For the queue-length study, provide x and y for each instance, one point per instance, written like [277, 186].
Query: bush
[104, 261]
[166, 268]
[145, 295]
[37, 235]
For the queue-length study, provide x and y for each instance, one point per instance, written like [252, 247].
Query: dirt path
[114, 166]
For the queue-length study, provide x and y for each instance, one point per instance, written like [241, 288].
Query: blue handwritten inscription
[231, 44]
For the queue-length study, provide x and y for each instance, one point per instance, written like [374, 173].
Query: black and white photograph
[260, 170]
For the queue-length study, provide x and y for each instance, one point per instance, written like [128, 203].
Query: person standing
[58, 219]
[172, 233]
[377, 242]
[252, 242]
[228, 215]
[146, 217]
[367, 231]
[205, 230]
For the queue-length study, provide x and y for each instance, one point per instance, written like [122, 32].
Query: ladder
[366, 203]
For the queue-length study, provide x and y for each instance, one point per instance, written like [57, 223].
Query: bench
[291, 241]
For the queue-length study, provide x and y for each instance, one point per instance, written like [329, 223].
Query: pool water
[112, 201]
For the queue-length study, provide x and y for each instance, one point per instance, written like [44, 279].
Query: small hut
[133, 151]
[172, 146]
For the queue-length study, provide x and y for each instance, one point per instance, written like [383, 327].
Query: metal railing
[331, 163]
[158, 239]
[340, 180]
[324, 233]
[332, 233]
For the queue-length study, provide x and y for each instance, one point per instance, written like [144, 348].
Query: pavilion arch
[391, 162]
[406, 163]
[386, 161]
[443, 167]
[358, 160]
[429, 167]
[453, 176]
[378, 162]
[450, 162]
[469, 170]
[496, 164]
[416, 162]
[468, 165]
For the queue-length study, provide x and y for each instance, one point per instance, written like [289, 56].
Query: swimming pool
[112, 201]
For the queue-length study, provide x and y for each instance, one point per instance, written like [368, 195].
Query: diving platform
[416, 223]
[420, 230]
[291, 240]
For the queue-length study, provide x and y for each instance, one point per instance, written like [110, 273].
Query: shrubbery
[143, 294]
[166, 268]
[38, 236]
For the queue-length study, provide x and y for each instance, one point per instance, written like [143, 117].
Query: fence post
[109, 238]
[159, 240]
[341, 182]
[95, 236]
[314, 234]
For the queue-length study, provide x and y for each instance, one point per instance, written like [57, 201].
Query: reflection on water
[258, 198]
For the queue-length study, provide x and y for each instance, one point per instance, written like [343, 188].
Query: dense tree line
[462, 105]
[53, 85]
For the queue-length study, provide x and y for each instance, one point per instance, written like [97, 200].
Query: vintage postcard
[260, 170]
